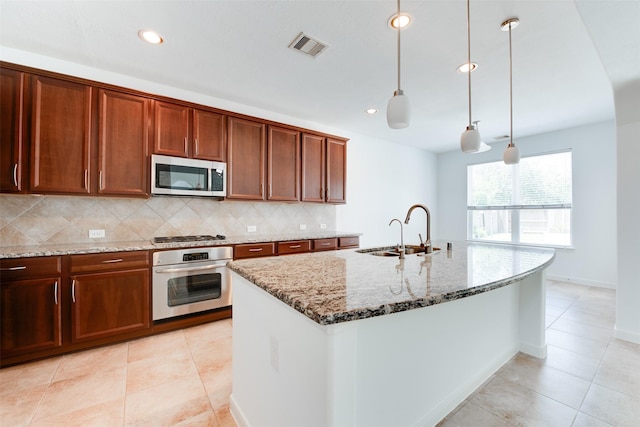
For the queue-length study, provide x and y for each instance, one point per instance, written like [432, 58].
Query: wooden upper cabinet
[246, 159]
[336, 171]
[11, 116]
[283, 164]
[60, 136]
[123, 144]
[313, 168]
[171, 129]
[209, 136]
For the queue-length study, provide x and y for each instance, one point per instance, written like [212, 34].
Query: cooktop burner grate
[180, 239]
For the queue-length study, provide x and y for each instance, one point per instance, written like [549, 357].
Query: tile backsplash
[42, 220]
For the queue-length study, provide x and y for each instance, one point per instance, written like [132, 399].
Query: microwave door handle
[182, 270]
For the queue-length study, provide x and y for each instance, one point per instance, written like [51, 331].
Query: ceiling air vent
[308, 45]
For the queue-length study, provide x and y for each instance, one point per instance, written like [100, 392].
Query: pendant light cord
[469, 58]
[398, 22]
[510, 90]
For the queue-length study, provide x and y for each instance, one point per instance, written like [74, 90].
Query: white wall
[592, 260]
[385, 180]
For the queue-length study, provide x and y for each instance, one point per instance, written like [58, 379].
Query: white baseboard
[626, 335]
[236, 413]
[580, 281]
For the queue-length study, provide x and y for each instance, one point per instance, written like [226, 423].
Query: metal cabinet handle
[55, 292]
[73, 290]
[255, 249]
[20, 267]
[325, 244]
[294, 246]
[15, 174]
[86, 178]
[196, 144]
[321, 192]
[100, 181]
[111, 261]
[186, 147]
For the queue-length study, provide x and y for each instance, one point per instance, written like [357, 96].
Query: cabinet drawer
[294, 247]
[19, 268]
[108, 261]
[348, 242]
[253, 250]
[325, 244]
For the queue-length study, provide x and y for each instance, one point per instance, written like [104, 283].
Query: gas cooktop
[181, 239]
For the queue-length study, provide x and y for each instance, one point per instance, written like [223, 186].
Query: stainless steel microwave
[178, 176]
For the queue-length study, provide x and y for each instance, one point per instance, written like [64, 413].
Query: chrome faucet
[401, 237]
[428, 249]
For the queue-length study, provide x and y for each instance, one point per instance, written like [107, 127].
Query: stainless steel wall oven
[190, 280]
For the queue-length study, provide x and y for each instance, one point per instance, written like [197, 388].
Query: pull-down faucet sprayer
[427, 243]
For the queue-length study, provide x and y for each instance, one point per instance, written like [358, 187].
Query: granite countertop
[142, 245]
[340, 286]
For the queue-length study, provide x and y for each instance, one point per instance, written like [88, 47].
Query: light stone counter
[339, 286]
[142, 245]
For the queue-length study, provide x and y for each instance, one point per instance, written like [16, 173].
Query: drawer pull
[15, 175]
[86, 179]
[325, 244]
[73, 290]
[112, 261]
[294, 246]
[20, 267]
[55, 292]
[255, 250]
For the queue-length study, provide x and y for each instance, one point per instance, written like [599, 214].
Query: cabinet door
[123, 142]
[246, 160]
[60, 134]
[30, 315]
[209, 136]
[11, 113]
[171, 129]
[108, 304]
[313, 168]
[336, 171]
[283, 164]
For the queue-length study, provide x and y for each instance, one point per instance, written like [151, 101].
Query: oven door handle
[182, 270]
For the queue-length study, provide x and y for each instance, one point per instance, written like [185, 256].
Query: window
[525, 203]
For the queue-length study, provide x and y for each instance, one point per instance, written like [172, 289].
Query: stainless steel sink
[394, 251]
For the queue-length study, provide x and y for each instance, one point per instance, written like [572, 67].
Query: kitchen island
[348, 338]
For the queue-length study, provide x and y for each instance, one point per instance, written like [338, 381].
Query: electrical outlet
[251, 228]
[323, 226]
[303, 226]
[96, 234]
[275, 354]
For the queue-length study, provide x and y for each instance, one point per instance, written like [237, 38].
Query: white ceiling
[238, 50]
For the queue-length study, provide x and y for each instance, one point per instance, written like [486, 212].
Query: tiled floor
[184, 378]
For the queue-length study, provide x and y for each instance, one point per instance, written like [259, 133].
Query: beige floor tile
[472, 415]
[532, 373]
[583, 330]
[584, 420]
[74, 394]
[104, 414]
[604, 319]
[106, 359]
[618, 378]
[558, 302]
[163, 368]
[180, 402]
[18, 406]
[27, 375]
[225, 419]
[218, 386]
[624, 354]
[216, 355]
[585, 346]
[571, 363]
[612, 406]
[157, 345]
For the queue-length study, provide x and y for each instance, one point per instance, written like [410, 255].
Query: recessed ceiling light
[150, 36]
[405, 20]
[464, 68]
[371, 111]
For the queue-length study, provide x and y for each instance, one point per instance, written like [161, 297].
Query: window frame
[515, 210]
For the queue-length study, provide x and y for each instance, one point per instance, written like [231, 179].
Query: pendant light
[511, 155]
[398, 108]
[483, 145]
[470, 139]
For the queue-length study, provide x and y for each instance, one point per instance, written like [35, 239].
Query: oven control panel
[196, 256]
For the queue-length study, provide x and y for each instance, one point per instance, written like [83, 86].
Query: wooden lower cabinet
[109, 303]
[30, 315]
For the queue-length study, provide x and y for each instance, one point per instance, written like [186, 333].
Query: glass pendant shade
[511, 155]
[470, 140]
[398, 111]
